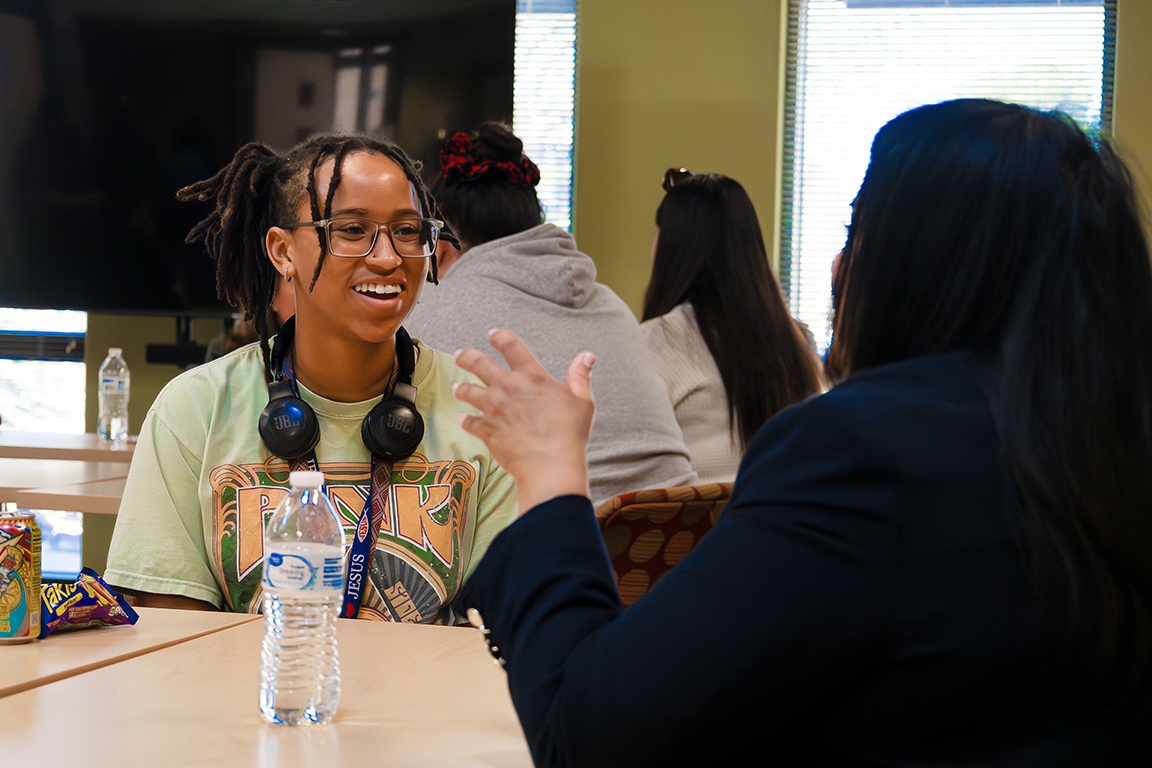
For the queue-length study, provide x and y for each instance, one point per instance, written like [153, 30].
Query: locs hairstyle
[260, 189]
[1008, 231]
[710, 252]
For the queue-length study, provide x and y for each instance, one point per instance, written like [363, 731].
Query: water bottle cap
[306, 479]
[114, 351]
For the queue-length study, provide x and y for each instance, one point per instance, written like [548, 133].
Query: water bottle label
[334, 573]
[113, 385]
[292, 571]
[289, 572]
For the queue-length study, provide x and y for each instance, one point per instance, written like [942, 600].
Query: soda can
[19, 577]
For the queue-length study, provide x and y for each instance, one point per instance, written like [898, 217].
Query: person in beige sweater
[716, 325]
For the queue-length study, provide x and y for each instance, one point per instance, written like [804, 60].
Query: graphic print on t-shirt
[417, 567]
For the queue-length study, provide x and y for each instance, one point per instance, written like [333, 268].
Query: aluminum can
[19, 577]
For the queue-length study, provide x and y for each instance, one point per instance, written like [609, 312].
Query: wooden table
[20, 474]
[101, 497]
[411, 696]
[44, 445]
[65, 654]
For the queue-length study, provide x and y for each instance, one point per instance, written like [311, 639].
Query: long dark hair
[260, 189]
[710, 252]
[1010, 232]
[486, 185]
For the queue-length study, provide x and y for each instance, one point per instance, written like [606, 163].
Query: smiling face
[355, 299]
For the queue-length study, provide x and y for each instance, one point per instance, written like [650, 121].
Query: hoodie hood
[542, 262]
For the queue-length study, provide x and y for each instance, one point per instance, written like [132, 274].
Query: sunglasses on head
[674, 176]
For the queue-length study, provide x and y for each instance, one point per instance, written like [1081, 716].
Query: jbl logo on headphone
[286, 420]
[399, 422]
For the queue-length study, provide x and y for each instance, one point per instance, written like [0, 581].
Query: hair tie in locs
[461, 162]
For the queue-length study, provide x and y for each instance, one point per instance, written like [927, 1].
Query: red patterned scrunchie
[461, 162]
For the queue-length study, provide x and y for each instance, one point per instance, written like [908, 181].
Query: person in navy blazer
[946, 560]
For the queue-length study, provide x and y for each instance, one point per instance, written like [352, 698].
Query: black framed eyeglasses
[353, 238]
[674, 176]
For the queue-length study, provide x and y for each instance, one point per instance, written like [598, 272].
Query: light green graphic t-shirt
[202, 485]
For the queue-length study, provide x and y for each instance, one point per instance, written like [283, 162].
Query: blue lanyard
[371, 517]
[364, 542]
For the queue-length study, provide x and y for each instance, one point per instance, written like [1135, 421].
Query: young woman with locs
[716, 324]
[945, 560]
[348, 223]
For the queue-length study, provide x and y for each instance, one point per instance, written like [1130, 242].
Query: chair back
[649, 532]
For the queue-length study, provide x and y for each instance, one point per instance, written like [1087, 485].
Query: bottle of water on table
[114, 384]
[303, 587]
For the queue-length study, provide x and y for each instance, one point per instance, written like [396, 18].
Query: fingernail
[492, 332]
[456, 386]
[589, 359]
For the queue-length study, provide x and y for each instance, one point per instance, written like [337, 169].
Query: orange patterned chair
[648, 532]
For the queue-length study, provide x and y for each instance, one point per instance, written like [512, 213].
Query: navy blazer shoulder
[862, 600]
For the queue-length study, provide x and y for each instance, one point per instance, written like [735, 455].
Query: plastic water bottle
[114, 385]
[303, 587]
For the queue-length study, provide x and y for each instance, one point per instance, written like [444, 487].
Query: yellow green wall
[674, 83]
[1132, 109]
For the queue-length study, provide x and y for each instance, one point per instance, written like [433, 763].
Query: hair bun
[494, 152]
[496, 142]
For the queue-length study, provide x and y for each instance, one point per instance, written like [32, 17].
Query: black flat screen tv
[110, 106]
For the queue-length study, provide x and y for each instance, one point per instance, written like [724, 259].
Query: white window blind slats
[543, 97]
[852, 67]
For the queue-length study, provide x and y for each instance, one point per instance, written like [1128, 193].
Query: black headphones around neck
[391, 430]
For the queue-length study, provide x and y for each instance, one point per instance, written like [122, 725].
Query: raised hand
[535, 426]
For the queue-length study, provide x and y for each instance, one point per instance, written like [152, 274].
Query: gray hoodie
[538, 285]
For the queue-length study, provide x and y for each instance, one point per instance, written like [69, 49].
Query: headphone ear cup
[288, 425]
[393, 429]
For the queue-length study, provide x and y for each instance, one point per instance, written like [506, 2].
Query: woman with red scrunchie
[514, 270]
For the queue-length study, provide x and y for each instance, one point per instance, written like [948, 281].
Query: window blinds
[543, 95]
[855, 64]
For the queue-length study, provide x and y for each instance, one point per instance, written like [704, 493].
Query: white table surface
[100, 497]
[411, 696]
[15, 444]
[20, 474]
[63, 654]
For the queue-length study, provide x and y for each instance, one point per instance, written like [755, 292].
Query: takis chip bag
[88, 602]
